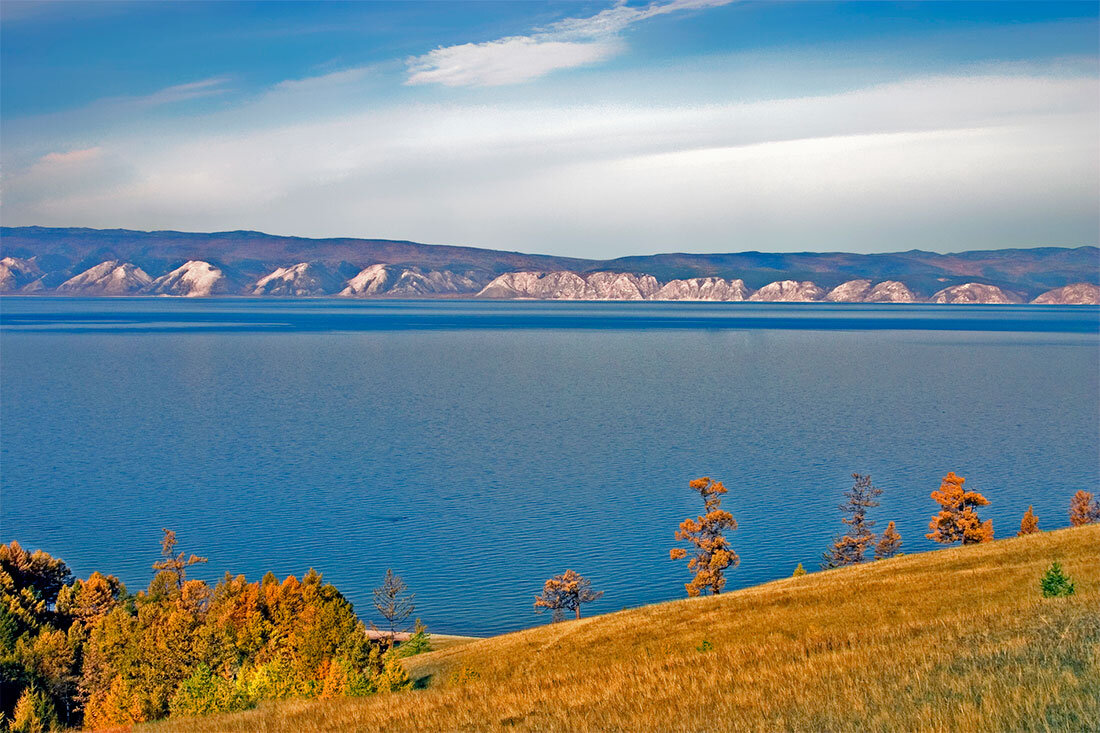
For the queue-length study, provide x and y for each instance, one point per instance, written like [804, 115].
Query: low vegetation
[958, 639]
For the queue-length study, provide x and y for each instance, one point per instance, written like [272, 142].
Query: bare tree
[394, 603]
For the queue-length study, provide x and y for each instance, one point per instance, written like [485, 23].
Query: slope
[958, 639]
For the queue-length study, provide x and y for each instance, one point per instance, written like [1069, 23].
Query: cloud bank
[940, 162]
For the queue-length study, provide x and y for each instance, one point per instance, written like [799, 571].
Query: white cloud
[566, 44]
[182, 92]
[507, 61]
[70, 157]
[323, 81]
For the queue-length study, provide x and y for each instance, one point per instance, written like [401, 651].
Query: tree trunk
[578, 610]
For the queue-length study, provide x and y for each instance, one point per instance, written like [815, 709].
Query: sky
[591, 129]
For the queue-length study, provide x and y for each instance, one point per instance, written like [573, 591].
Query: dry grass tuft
[958, 639]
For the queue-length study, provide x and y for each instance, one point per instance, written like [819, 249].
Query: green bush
[1055, 582]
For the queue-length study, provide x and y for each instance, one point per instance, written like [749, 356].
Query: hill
[957, 639]
[244, 257]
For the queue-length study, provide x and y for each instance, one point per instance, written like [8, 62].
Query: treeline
[711, 555]
[89, 653]
[956, 521]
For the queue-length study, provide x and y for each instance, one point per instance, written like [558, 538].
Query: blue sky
[595, 129]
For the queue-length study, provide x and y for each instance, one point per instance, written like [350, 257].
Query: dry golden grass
[954, 640]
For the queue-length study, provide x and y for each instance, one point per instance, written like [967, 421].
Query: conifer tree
[799, 571]
[889, 544]
[855, 545]
[1083, 509]
[712, 553]
[175, 564]
[392, 600]
[1029, 524]
[957, 520]
[1055, 582]
[566, 592]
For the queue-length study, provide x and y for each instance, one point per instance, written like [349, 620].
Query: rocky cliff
[107, 278]
[302, 279]
[571, 286]
[974, 294]
[788, 291]
[193, 279]
[1075, 294]
[703, 288]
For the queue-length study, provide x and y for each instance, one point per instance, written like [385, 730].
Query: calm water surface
[478, 448]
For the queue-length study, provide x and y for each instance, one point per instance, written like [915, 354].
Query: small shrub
[418, 643]
[799, 571]
[1055, 582]
[706, 646]
[464, 675]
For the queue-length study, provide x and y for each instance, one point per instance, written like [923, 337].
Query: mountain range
[77, 261]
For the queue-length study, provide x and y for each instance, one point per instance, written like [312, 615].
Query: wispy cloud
[565, 44]
[70, 157]
[323, 81]
[184, 92]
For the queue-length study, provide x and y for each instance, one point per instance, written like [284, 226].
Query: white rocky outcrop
[702, 288]
[563, 285]
[853, 291]
[409, 281]
[193, 279]
[373, 280]
[18, 274]
[789, 291]
[890, 291]
[302, 279]
[107, 278]
[973, 294]
[1075, 294]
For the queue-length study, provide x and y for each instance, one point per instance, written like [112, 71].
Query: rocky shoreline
[198, 278]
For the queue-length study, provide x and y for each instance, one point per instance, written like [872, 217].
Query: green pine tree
[1055, 582]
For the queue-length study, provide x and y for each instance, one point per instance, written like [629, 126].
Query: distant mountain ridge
[46, 260]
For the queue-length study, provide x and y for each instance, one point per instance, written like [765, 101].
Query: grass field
[954, 640]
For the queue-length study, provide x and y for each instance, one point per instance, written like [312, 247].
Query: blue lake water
[479, 447]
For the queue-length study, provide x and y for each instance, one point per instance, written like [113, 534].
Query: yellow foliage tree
[712, 554]
[957, 520]
[566, 592]
[1083, 509]
[889, 544]
[1029, 524]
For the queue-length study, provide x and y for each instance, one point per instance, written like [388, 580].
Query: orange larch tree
[1083, 509]
[957, 520]
[1029, 524]
[566, 592]
[712, 553]
[889, 544]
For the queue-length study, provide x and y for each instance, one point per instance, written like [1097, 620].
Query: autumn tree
[394, 603]
[1029, 524]
[957, 520]
[566, 592]
[799, 571]
[1083, 509]
[855, 545]
[711, 555]
[889, 544]
[172, 563]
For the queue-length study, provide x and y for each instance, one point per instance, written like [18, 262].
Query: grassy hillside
[958, 639]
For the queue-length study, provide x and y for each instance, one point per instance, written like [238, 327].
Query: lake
[477, 448]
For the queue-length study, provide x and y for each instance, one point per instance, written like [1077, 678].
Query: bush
[1056, 583]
